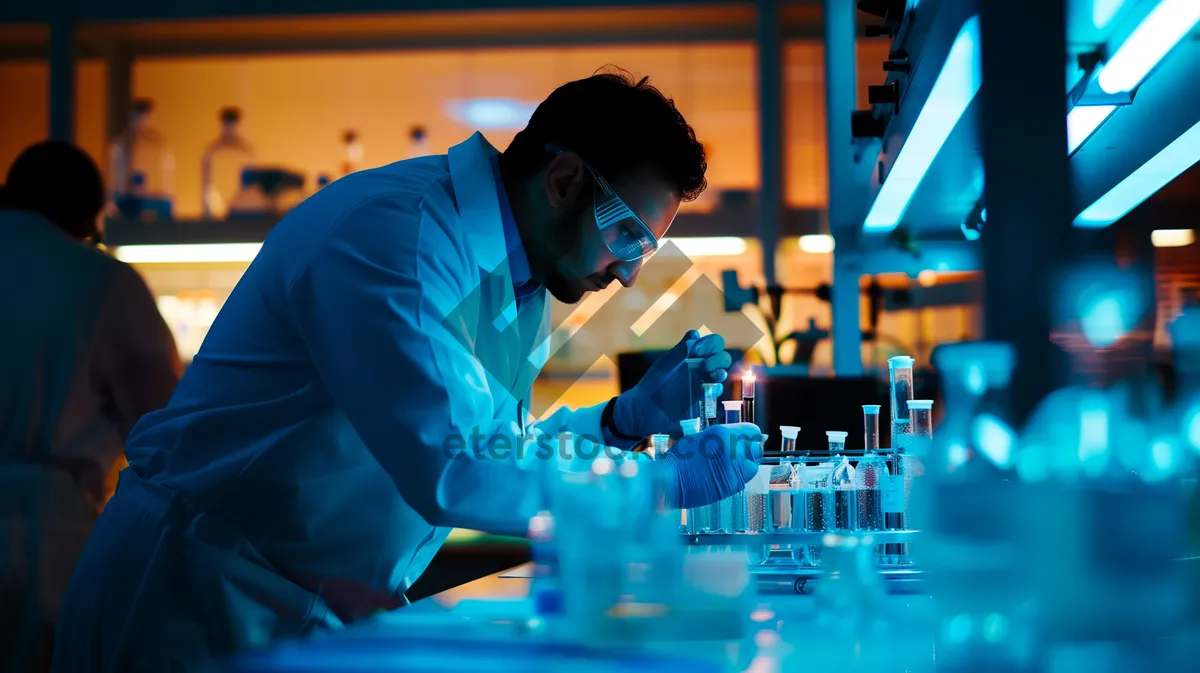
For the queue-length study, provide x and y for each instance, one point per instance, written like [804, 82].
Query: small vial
[789, 433]
[871, 427]
[658, 445]
[695, 369]
[733, 411]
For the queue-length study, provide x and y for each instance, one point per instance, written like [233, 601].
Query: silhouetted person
[84, 353]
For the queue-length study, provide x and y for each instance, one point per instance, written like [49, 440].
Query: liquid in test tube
[710, 403]
[789, 433]
[845, 496]
[870, 473]
[733, 411]
[748, 397]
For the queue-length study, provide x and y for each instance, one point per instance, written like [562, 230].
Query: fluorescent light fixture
[491, 113]
[953, 91]
[191, 253]
[1172, 238]
[710, 246]
[1103, 11]
[1164, 167]
[817, 244]
[1156, 35]
[1082, 122]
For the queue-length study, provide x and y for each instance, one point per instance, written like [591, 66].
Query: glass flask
[870, 472]
[222, 164]
[142, 168]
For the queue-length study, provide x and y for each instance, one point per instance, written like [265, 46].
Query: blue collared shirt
[518, 262]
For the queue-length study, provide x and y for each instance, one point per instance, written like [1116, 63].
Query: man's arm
[371, 307]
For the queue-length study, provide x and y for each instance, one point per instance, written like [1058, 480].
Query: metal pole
[1028, 238]
[772, 199]
[840, 75]
[62, 80]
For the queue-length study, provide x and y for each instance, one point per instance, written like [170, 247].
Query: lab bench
[490, 625]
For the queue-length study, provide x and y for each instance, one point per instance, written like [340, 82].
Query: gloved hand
[660, 400]
[712, 465]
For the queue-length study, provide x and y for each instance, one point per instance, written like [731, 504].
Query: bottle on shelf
[352, 152]
[222, 164]
[250, 201]
[142, 168]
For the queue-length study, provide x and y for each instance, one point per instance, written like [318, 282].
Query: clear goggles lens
[624, 233]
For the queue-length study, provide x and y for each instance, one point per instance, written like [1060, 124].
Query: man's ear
[565, 179]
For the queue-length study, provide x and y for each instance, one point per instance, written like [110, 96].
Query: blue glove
[712, 465]
[660, 399]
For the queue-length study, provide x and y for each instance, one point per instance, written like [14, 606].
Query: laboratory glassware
[818, 496]
[699, 519]
[142, 168]
[900, 374]
[222, 164]
[748, 397]
[845, 496]
[789, 433]
[352, 153]
[710, 403]
[869, 473]
[733, 411]
[695, 389]
[659, 444]
[757, 512]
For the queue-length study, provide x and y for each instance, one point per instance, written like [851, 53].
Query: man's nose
[626, 273]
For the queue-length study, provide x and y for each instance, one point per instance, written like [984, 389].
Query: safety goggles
[625, 234]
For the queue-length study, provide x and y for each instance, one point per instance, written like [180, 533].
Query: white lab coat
[308, 434]
[83, 354]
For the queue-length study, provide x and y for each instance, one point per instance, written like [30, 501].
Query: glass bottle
[352, 153]
[142, 168]
[222, 164]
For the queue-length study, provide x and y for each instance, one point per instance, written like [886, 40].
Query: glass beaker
[733, 411]
[900, 374]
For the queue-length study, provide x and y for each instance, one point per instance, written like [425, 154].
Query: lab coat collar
[479, 206]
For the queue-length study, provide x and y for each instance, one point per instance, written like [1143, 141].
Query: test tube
[757, 517]
[921, 414]
[695, 370]
[733, 411]
[748, 397]
[710, 403]
[845, 495]
[658, 445]
[900, 373]
[789, 433]
[871, 427]
[690, 426]
[698, 518]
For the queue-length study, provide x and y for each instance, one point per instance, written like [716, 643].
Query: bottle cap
[870, 408]
[789, 431]
[836, 435]
[920, 404]
[690, 426]
[900, 361]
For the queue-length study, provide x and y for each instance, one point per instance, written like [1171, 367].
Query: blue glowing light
[1164, 167]
[1191, 428]
[1082, 122]
[1154, 37]
[1103, 320]
[995, 440]
[1103, 11]
[491, 113]
[952, 92]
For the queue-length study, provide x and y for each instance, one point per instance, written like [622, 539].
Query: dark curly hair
[618, 124]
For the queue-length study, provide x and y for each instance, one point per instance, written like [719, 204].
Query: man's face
[575, 259]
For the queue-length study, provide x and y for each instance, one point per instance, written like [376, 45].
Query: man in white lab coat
[84, 353]
[340, 416]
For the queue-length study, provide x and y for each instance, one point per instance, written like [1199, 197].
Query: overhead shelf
[167, 29]
[725, 222]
